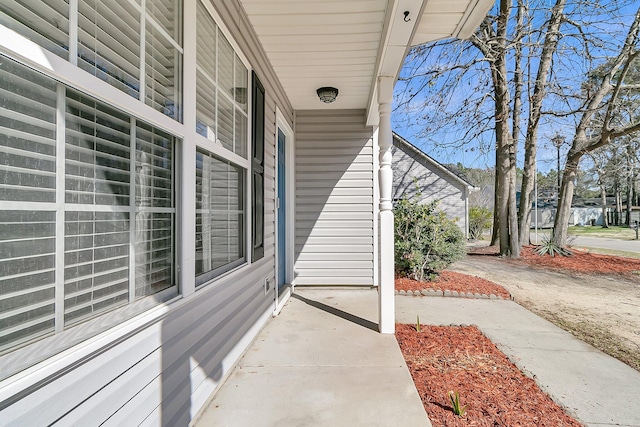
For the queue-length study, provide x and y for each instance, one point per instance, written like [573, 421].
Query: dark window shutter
[257, 170]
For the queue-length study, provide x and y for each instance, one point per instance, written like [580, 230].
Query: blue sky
[443, 142]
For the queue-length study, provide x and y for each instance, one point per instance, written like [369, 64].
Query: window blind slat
[23, 326]
[109, 42]
[23, 103]
[221, 88]
[167, 14]
[27, 238]
[206, 107]
[45, 23]
[225, 123]
[163, 73]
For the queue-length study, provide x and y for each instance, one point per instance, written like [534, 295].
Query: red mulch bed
[580, 261]
[462, 359]
[452, 281]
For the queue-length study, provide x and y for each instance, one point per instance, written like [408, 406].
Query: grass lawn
[613, 232]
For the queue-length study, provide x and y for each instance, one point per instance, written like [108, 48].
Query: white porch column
[386, 289]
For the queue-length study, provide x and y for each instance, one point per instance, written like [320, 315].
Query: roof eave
[433, 161]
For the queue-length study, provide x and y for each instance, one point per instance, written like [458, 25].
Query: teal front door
[282, 211]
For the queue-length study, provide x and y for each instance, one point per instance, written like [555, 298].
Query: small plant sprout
[417, 323]
[455, 404]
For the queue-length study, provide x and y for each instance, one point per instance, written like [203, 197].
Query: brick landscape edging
[454, 294]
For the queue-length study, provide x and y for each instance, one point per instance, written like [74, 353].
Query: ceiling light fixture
[327, 94]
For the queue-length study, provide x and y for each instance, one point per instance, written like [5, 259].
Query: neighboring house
[168, 174]
[583, 211]
[578, 216]
[415, 174]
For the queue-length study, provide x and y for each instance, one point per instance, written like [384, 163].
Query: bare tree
[604, 100]
[492, 42]
[476, 89]
[549, 47]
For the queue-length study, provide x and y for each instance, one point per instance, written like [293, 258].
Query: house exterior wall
[578, 216]
[334, 238]
[160, 367]
[413, 177]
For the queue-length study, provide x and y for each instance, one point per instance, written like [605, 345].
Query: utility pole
[558, 140]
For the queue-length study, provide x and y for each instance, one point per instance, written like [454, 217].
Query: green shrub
[479, 220]
[426, 241]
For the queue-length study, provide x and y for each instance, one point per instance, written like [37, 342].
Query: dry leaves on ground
[461, 359]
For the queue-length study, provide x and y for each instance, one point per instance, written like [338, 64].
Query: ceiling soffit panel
[450, 18]
[346, 44]
[317, 43]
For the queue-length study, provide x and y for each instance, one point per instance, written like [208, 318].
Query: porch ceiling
[345, 44]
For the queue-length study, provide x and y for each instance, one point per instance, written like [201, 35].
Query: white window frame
[202, 141]
[68, 348]
[65, 336]
[199, 141]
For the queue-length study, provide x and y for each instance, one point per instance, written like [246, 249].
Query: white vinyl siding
[416, 177]
[334, 198]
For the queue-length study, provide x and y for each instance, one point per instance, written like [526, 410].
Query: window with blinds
[97, 174]
[43, 22]
[27, 204]
[222, 82]
[163, 56]
[115, 213]
[109, 36]
[154, 211]
[220, 216]
[137, 50]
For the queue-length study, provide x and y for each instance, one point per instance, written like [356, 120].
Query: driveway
[605, 243]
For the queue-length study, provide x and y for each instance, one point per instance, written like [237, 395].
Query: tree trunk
[565, 198]
[514, 243]
[535, 111]
[630, 180]
[618, 204]
[495, 234]
[629, 199]
[517, 110]
[603, 195]
[505, 151]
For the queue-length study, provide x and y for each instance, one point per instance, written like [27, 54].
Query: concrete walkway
[596, 389]
[321, 363]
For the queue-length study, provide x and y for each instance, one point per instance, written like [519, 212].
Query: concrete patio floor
[322, 363]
